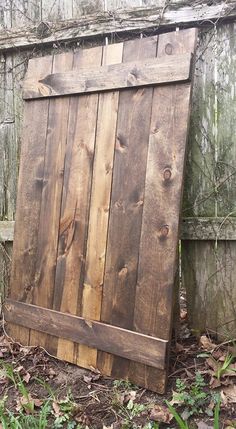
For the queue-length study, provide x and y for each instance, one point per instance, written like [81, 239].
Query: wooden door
[99, 201]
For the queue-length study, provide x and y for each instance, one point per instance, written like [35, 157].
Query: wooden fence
[208, 269]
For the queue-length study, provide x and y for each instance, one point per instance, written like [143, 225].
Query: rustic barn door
[99, 201]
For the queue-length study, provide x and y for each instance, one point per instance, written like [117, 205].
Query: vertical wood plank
[42, 292]
[162, 204]
[100, 204]
[29, 197]
[127, 201]
[75, 202]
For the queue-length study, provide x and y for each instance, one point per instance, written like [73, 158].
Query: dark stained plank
[162, 204]
[44, 276]
[75, 201]
[116, 340]
[126, 203]
[111, 77]
[99, 205]
[30, 185]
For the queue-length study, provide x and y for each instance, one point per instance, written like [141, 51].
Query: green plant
[217, 415]
[224, 367]
[192, 398]
[123, 384]
[184, 425]
[181, 423]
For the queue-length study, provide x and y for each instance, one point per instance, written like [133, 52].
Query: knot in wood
[167, 174]
[168, 49]
[163, 231]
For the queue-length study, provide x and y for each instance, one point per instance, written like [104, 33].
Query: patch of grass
[50, 412]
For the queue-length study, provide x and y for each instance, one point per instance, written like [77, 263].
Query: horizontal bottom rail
[112, 339]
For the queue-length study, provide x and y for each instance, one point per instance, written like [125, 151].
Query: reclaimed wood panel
[109, 170]
[110, 77]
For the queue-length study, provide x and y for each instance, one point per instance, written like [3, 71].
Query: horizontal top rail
[125, 75]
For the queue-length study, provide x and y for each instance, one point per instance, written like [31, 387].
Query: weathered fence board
[210, 190]
[114, 22]
[60, 155]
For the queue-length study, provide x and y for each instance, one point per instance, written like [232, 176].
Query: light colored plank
[128, 20]
[116, 340]
[111, 77]
[75, 202]
[100, 205]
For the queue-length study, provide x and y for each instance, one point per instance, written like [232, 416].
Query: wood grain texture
[162, 204]
[29, 198]
[100, 204]
[209, 268]
[127, 200]
[79, 330]
[52, 182]
[129, 20]
[111, 77]
[191, 228]
[75, 202]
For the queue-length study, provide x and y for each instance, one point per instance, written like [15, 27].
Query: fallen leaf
[56, 409]
[26, 377]
[161, 414]
[91, 377]
[176, 399]
[230, 393]
[202, 425]
[129, 396]
[37, 402]
[214, 383]
[212, 364]
[179, 347]
[206, 343]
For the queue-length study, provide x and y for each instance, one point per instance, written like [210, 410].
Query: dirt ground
[97, 402]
